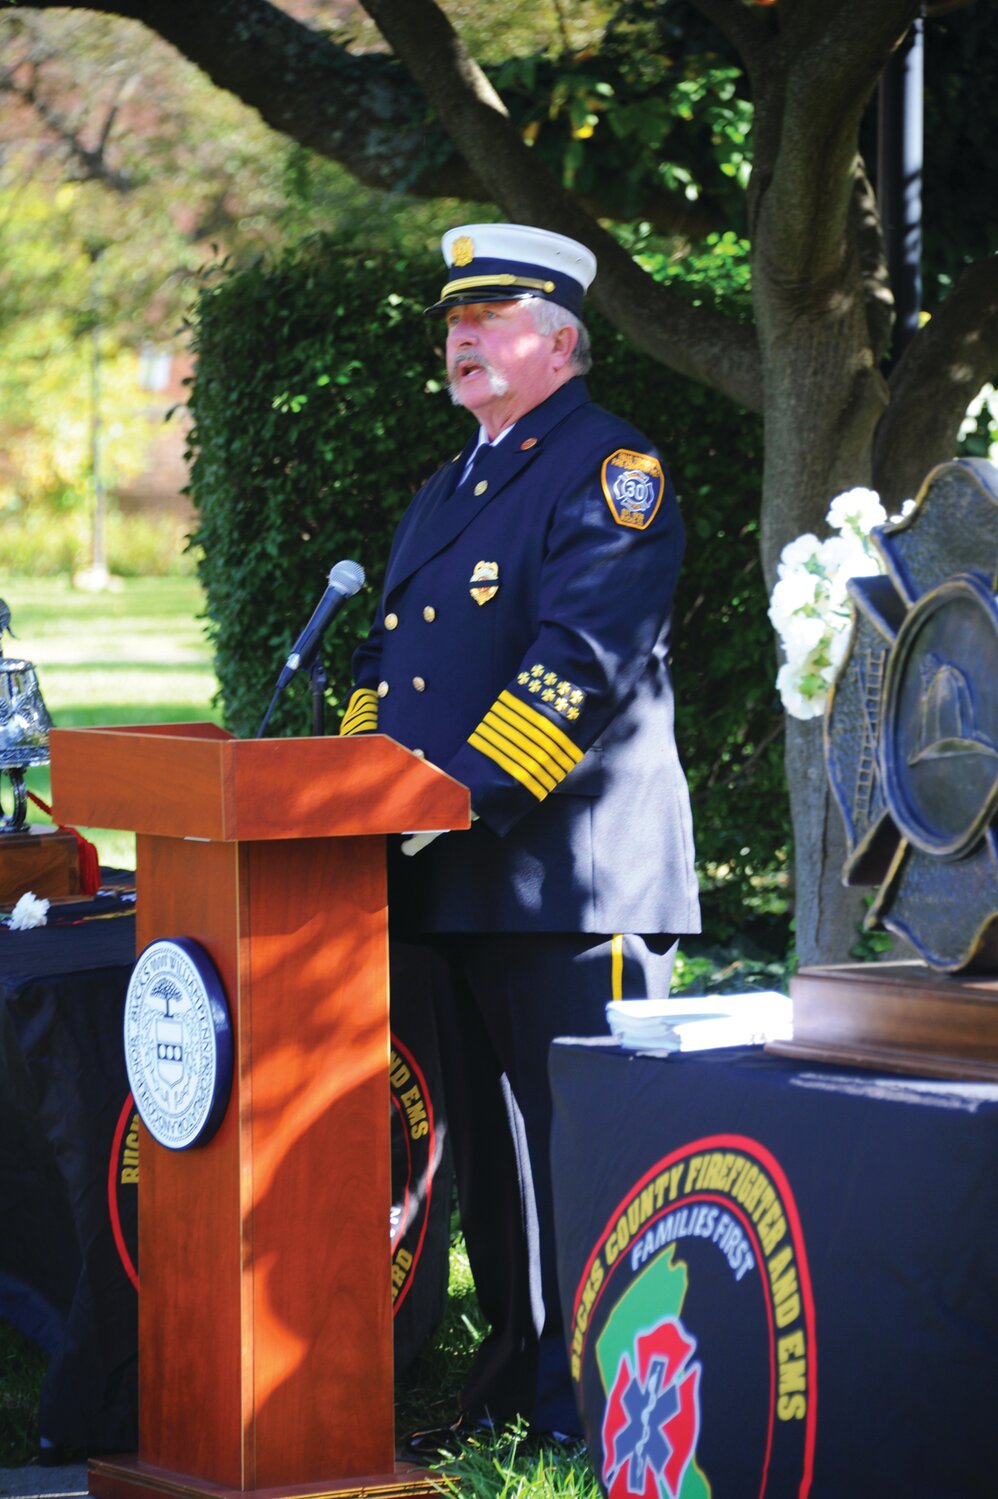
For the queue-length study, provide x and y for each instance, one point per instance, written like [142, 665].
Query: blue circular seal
[178, 1042]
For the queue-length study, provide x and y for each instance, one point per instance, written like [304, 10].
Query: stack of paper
[682, 1024]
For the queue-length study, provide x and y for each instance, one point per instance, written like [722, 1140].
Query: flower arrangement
[809, 606]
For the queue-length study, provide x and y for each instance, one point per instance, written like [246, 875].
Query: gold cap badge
[463, 250]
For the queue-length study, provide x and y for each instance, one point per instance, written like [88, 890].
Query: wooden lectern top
[196, 780]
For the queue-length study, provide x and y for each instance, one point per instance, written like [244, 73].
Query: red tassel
[89, 859]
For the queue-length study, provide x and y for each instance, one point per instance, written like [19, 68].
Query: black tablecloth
[68, 1246]
[69, 1166]
[778, 1280]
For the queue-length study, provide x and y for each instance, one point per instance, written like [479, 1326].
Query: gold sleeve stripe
[527, 736]
[521, 752]
[362, 709]
[526, 744]
[510, 766]
[511, 727]
[367, 725]
[523, 748]
[359, 723]
[361, 714]
[540, 728]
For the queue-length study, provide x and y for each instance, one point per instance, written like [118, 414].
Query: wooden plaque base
[44, 860]
[128, 1478]
[895, 1017]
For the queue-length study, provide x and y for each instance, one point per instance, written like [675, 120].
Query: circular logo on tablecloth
[693, 1331]
[178, 1043]
[415, 1159]
[123, 1189]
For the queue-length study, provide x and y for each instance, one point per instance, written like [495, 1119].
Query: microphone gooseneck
[345, 579]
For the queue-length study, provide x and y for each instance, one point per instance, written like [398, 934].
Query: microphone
[345, 579]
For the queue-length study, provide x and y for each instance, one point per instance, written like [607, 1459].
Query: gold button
[420, 754]
[429, 614]
[382, 689]
[481, 486]
[419, 684]
[391, 621]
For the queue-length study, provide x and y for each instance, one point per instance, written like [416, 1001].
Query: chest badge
[484, 582]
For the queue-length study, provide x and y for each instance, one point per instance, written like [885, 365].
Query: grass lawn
[137, 655]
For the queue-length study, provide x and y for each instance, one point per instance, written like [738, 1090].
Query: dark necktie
[476, 460]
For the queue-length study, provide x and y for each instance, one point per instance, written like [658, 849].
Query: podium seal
[178, 1043]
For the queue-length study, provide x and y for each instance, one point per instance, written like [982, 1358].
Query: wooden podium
[265, 1334]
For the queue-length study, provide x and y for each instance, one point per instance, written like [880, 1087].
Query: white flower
[983, 409]
[804, 635]
[30, 911]
[982, 399]
[791, 594]
[794, 699]
[844, 557]
[844, 554]
[797, 553]
[859, 510]
[838, 645]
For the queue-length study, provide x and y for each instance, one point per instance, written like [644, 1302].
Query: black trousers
[505, 997]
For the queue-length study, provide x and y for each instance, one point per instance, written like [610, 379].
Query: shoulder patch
[633, 485]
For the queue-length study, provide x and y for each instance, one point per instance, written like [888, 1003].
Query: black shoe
[438, 1442]
[561, 1444]
[55, 1455]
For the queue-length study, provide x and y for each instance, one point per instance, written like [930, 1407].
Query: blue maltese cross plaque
[911, 733]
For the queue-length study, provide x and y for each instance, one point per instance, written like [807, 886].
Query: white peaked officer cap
[501, 262]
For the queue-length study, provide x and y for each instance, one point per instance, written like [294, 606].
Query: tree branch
[836, 53]
[867, 233]
[746, 27]
[363, 112]
[694, 341]
[91, 162]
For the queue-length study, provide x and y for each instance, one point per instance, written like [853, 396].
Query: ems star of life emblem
[178, 1043]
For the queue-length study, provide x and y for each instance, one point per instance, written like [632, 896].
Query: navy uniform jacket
[521, 644]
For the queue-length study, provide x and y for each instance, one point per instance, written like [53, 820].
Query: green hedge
[319, 407]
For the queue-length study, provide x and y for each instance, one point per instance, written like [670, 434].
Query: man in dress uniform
[522, 644]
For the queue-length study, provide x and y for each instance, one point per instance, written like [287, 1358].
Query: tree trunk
[824, 398]
[828, 915]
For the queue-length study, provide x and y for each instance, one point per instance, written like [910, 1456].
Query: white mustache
[498, 384]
